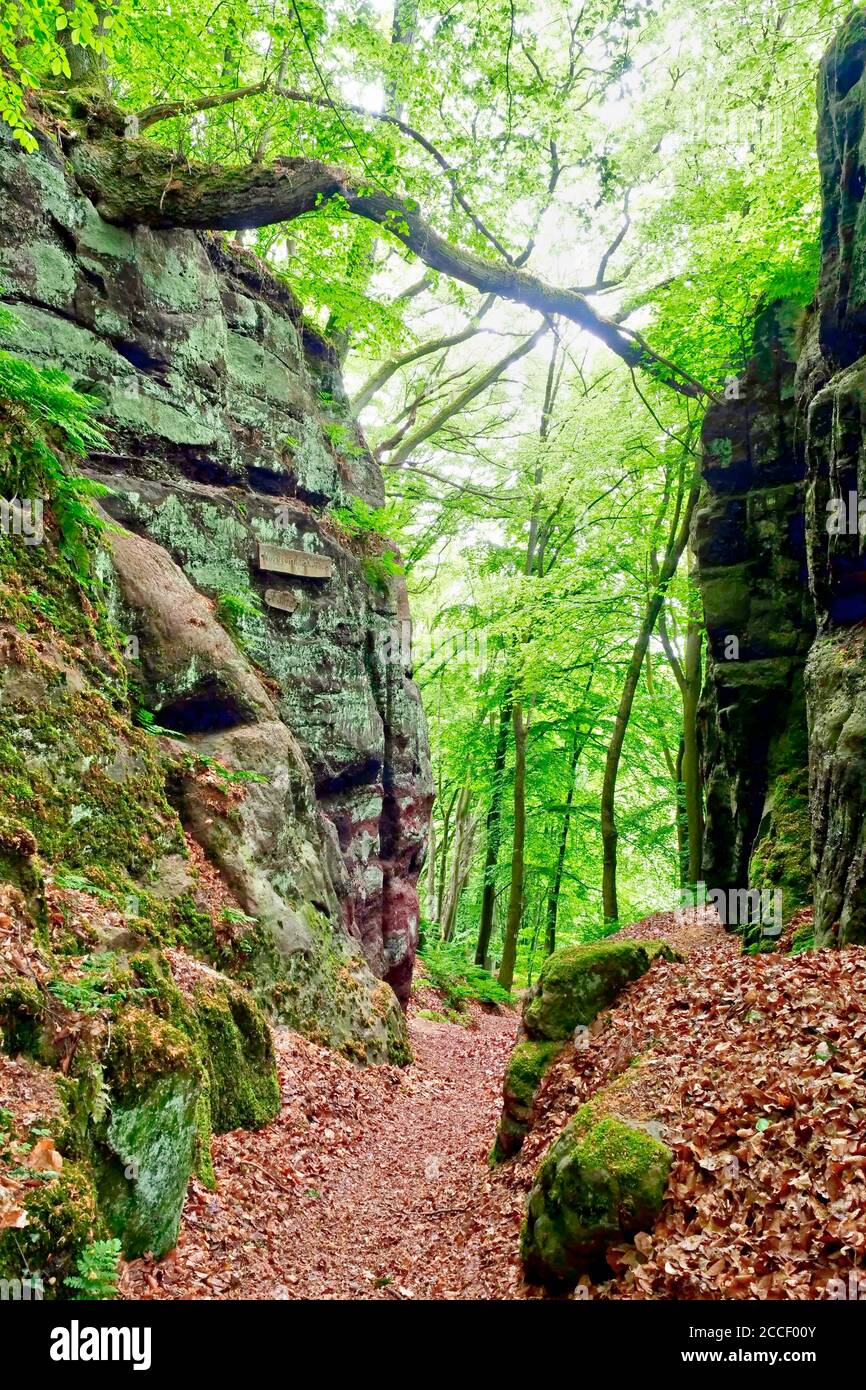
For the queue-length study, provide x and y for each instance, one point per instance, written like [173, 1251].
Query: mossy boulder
[603, 1179]
[576, 983]
[152, 1144]
[146, 1151]
[526, 1069]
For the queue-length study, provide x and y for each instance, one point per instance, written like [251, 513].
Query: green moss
[22, 1008]
[62, 1218]
[781, 856]
[603, 1179]
[147, 1156]
[145, 1048]
[528, 1063]
[327, 994]
[526, 1068]
[576, 983]
[239, 1055]
[803, 938]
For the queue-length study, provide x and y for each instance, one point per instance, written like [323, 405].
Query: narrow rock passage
[372, 1183]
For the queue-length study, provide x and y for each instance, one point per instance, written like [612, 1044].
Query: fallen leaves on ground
[374, 1183]
[754, 1067]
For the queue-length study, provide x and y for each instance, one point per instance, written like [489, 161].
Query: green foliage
[358, 518]
[96, 1271]
[44, 421]
[103, 986]
[379, 570]
[235, 610]
[146, 720]
[456, 980]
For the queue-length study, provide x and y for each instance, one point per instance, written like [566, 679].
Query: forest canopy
[539, 237]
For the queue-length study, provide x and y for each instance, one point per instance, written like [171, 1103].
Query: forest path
[371, 1183]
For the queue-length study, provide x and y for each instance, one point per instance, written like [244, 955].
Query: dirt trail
[370, 1184]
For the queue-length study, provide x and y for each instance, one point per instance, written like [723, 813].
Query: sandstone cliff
[228, 429]
[780, 546]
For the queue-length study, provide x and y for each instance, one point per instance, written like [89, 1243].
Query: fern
[43, 419]
[456, 979]
[96, 1276]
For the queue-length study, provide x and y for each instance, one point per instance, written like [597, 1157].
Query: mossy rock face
[577, 983]
[603, 1179]
[526, 1069]
[150, 1148]
[21, 1010]
[780, 858]
[239, 1055]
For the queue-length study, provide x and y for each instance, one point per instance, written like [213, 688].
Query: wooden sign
[297, 562]
[283, 599]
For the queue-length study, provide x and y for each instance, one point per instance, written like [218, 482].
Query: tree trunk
[138, 181]
[443, 855]
[682, 816]
[430, 913]
[676, 546]
[494, 835]
[460, 856]
[553, 895]
[692, 789]
[515, 898]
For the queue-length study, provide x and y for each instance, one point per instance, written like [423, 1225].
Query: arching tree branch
[134, 181]
[165, 110]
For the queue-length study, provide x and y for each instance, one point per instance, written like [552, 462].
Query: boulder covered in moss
[603, 1179]
[575, 984]
[526, 1069]
[145, 1151]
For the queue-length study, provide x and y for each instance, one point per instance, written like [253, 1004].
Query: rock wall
[228, 429]
[749, 541]
[783, 523]
[831, 400]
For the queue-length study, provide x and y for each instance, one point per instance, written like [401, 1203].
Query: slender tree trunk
[443, 854]
[460, 854]
[690, 798]
[515, 898]
[556, 886]
[694, 798]
[673, 765]
[494, 835]
[682, 816]
[676, 546]
[431, 872]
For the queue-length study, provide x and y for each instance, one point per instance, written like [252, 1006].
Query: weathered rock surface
[749, 541]
[831, 397]
[229, 428]
[576, 983]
